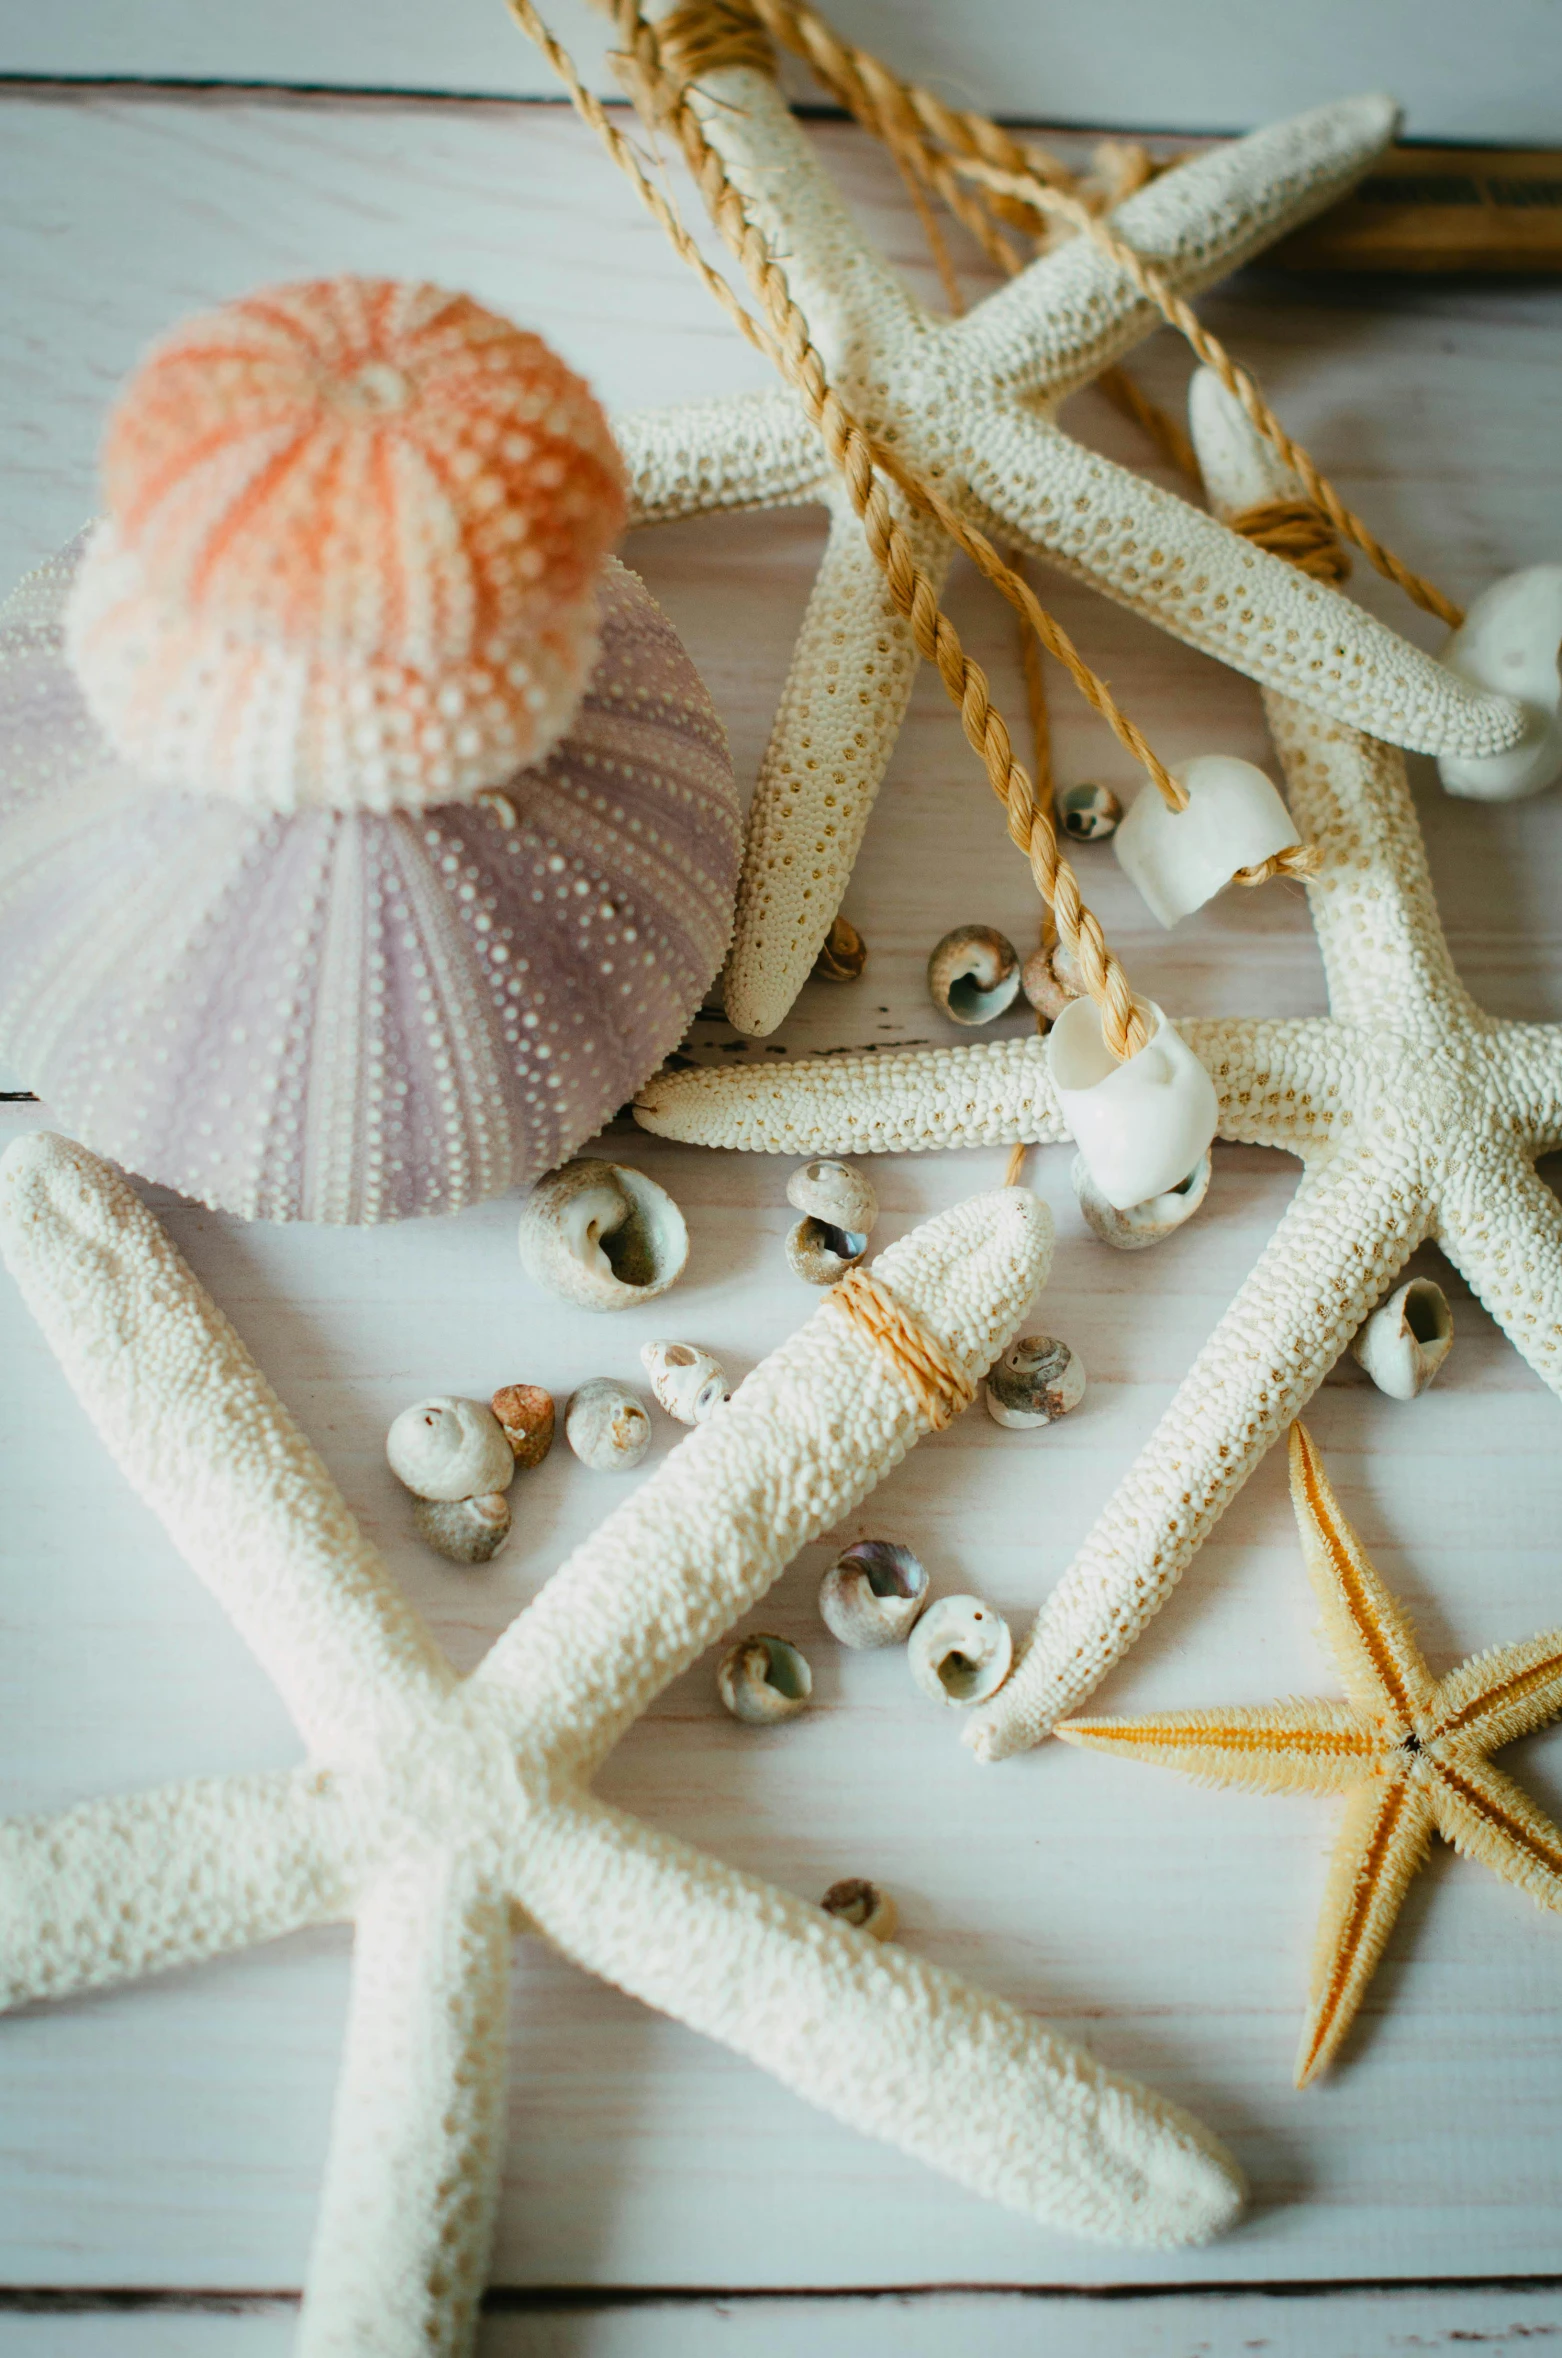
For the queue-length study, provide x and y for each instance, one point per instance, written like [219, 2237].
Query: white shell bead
[687, 1381]
[872, 1593]
[960, 1651]
[1509, 641]
[834, 1193]
[1407, 1338]
[1133, 1228]
[1141, 1125]
[607, 1426]
[1181, 859]
[448, 1448]
[763, 1679]
[602, 1236]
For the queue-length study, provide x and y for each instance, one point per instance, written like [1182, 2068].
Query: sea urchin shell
[351, 552]
[351, 1016]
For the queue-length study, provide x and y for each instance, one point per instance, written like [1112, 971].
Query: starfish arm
[732, 451]
[1484, 1814]
[203, 1439]
[1075, 311]
[1503, 1694]
[1271, 1078]
[1196, 578]
[1531, 1057]
[1382, 1841]
[1501, 1227]
[411, 2187]
[1316, 1746]
[806, 1436]
[1367, 1629]
[835, 729]
[1348, 1229]
[835, 277]
[146, 1881]
[891, 2046]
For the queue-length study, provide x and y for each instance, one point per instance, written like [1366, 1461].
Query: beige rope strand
[1123, 1026]
[940, 1389]
[1015, 1164]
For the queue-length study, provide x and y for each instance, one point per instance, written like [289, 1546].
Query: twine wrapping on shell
[942, 1391]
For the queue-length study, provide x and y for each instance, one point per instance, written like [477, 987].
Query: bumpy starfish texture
[1409, 1752]
[969, 404]
[442, 1815]
[1414, 1114]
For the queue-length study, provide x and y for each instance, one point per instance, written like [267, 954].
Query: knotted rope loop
[941, 1390]
[1299, 531]
[704, 35]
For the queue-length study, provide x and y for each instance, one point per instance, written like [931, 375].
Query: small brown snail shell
[607, 1426]
[834, 1193]
[465, 1530]
[1149, 1223]
[844, 953]
[821, 1254]
[687, 1381]
[974, 974]
[1051, 979]
[1037, 1380]
[1088, 813]
[1407, 1338]
[854, 1900]
[526, 1414]
[872, 1593]
[960, 1651]
[763, 1679]
[449, 1448]
[602, 1236]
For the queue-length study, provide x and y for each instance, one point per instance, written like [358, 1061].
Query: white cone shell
[1510, 640]
[1181, 859]
[1142, 1125]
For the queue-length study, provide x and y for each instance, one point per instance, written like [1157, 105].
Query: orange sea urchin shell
[354, 535]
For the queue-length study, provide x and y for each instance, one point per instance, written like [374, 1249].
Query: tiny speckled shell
[342, 1015]
[464, 1530]
[854, 1900]
[1089, 814]
[960, 1651]
[526, 1415]
[973, 974]
[836, 1193]
[763, 1679]
[607, 1426]
[446, 1448]
[602, 1236]
[1037, 1380]
[687, 1381]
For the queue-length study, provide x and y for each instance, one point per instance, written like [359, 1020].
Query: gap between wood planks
[514, 2300]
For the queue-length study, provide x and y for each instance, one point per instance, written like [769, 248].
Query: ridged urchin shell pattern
[344, 1015]
[351, 551]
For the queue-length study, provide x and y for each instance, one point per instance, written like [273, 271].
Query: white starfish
[443, 1815]
[1414, 1114]
[970, 404]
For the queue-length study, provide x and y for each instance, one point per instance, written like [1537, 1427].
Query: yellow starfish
[1410, 1751]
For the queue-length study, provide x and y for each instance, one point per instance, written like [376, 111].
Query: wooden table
[161, 2147]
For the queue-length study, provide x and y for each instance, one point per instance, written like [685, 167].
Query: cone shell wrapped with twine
[366, 835]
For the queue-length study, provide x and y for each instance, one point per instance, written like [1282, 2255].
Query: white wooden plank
[174, 2135]
[1494, 73]
[888, 2325]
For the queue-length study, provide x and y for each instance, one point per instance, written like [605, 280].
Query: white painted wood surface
[172, 2136]
[1487, 73]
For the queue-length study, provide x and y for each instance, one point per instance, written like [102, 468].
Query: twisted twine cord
[941, 1390]
[854, 454]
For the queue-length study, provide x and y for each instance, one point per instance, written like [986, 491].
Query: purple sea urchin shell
[347, 1015]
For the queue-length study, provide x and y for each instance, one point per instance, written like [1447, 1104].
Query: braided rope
[1124, 1027]
[941, 1390]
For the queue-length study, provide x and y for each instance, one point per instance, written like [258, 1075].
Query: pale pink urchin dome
[353, 538]
[343, 1014]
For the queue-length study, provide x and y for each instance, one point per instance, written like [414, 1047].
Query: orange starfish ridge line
[1408, 1752]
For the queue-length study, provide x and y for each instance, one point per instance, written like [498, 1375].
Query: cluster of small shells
[459, 1457]
[838, 1208]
